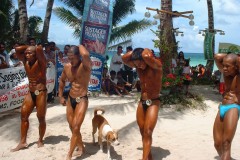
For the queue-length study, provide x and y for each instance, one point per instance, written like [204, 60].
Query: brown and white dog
[104, 131]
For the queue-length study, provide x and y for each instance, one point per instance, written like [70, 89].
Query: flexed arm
[126, 58]
[20, 51]
[86, 61]
[41, 58]
[150, 60]
[219, 60]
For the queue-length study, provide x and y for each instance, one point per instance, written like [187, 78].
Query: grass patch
[180, 102]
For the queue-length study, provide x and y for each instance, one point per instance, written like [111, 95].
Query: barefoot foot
[40, 144]
[20, 146]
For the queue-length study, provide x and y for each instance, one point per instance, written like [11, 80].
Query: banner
[208, 45]
[96, 30]
[60, 62]
[14, 86]
[228, 48]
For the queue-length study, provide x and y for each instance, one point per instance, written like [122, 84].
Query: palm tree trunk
[23, 20]
[167, 39]
[210, 63]
[47, 21]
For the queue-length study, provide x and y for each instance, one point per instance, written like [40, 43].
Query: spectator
[32, 41]
[116, 61]
[14, 61]
[181, 59]
[187, 76]
[112, 87]
[123, 85]
[174, 63]
[50, 57]
[65, 51]
[4, 57]
[127, 73]
[201, 71]
[105, 80]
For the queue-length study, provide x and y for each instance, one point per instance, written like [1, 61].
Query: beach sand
[185, 135]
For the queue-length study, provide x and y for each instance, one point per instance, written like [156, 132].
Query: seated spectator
[111, 86]
[105, 80]
[123, 85]
[4, 57]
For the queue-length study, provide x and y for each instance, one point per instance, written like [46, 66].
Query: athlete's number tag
[78, 99]
[36, 92]
[148, 102]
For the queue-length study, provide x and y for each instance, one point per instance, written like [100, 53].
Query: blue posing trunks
[223, 108]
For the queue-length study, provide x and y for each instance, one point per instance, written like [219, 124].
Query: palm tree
[47, 21]
[23, 20]
[167, 42]
[210, 62]
[6, 9]
[121, 9]
[34, 23]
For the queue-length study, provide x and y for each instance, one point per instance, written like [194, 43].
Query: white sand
[178, 135]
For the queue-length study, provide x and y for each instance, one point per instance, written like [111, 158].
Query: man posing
[149, 70]
[226, 120]
[78, 72]
[35, 65]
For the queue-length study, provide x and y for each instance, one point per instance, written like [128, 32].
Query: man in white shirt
[116, 61]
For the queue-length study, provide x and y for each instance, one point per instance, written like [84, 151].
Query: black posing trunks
[74, 102]
[148, 102]
[34, 96]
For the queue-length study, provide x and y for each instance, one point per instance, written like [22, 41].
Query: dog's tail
[98, 109]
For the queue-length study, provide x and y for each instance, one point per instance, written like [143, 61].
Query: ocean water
[195, 58]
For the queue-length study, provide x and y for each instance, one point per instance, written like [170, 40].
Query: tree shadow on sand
[92, 149]
[158, 152]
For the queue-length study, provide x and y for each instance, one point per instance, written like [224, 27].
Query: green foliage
[121, 9]
[181, 101]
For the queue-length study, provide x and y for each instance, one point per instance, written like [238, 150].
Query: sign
[96, 30]
[14, 86]
[208, 45]
[228, 48]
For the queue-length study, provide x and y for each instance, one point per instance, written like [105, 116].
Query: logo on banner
[94, 81]
[96, 63]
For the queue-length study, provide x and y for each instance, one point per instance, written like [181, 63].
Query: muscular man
[227, 117]
[35, 65]
[78, 72]
[149, 70]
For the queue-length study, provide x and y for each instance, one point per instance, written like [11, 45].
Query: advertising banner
[14, 86]
[60, 62]
[228, 48]
[96, 30]
[208, 45]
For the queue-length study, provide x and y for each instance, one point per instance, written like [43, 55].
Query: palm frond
[76, 5]
[126, 31]
[121, 9]
[66, 15]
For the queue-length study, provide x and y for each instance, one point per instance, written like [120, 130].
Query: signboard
[228, 48]
[96, 30]
[208, 45]
[14, 86]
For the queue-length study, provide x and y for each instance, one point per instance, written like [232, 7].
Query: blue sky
[226, 18]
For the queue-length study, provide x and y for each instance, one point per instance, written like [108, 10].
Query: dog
[104, 131]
